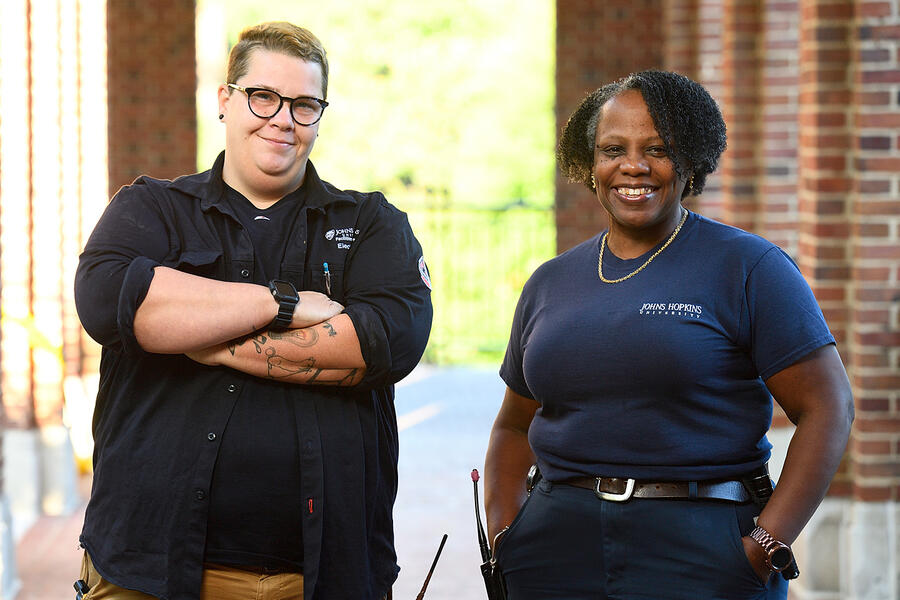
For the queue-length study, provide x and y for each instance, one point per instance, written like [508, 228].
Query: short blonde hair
[277, 36]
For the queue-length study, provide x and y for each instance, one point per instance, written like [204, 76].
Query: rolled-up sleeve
[388, 297]
[116, 268]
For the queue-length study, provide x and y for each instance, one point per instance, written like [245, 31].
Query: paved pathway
[48, 557]
[444, 415]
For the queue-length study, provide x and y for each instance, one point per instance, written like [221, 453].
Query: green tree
[448, 102]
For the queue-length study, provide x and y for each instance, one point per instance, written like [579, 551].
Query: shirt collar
[210, 188]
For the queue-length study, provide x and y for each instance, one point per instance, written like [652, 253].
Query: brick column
[874, 315]
[849, 253]
[740, 101]
[709, 73]
[824, 173]
[778, 124]
[49, 92]
[13, 78]
[152, 84]
[680, 24]
[597, 42]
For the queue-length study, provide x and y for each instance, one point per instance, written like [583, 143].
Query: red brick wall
[152, 82]
[824, 163]
[596, 42]
[874, 304]
[710, 73]
[740, 102]
[778, 123]
[681, 28]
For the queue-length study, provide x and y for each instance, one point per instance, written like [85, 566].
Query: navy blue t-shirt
[660, 376]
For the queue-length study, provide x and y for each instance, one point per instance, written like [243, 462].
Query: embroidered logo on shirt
[675, 309]
[423, 271]
[344, 236]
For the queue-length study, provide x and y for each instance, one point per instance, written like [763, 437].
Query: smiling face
[265, 159]
[636, 180]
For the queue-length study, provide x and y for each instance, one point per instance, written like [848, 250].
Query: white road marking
[407, 420]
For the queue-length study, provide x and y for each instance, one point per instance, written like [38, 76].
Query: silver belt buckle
[629, 490]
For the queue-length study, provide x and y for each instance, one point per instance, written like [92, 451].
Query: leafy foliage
[452, 100]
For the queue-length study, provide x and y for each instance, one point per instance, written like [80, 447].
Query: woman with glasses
[640, 373]
[254, 319]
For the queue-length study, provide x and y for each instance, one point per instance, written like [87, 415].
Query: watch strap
[286, 306]
[769, 545]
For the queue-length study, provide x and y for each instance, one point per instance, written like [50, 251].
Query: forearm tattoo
[280, 367]
[302, 338]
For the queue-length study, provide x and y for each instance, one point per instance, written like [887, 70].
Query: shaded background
[453, 109]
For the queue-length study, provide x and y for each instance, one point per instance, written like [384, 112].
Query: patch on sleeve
[423, 271]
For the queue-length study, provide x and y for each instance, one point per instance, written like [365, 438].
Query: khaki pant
[219, 583]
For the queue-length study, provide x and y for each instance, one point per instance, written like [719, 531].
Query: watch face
[780, 559]
[284, 290]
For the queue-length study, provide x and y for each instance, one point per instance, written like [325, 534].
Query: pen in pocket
[327, 278]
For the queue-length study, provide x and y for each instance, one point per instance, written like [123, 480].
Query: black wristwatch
[778, 554]
[286, 296]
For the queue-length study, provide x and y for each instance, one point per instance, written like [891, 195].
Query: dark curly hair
[684, 114]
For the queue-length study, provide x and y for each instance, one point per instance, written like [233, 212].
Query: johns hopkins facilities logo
[672, 309]
[344, 236]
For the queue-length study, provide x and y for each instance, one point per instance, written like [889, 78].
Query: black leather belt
[617, 489]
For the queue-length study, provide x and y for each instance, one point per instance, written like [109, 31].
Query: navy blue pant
[566, 543]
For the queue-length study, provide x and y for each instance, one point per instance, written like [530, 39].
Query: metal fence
[479, 259]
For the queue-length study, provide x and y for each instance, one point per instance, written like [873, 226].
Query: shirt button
[231, 387]
[211, 436]
[245, 273]
[200, 495]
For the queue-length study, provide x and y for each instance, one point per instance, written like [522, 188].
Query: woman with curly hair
[640, 374]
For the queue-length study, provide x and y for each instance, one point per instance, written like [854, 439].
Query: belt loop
[692, 490]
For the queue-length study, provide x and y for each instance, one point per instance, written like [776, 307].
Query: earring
[593, 182]
[690, 185]
[221, 117]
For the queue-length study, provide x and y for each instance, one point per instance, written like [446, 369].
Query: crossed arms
[223, 323]
[128, 301]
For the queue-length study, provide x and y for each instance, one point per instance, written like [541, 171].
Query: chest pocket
[329, 281]
[205, 263]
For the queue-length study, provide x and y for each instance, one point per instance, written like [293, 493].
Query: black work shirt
[255, 515]
[159, 418]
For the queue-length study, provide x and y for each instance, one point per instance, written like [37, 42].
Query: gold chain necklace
[684, 215]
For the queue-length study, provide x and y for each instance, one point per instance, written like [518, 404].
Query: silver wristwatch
[778, 554]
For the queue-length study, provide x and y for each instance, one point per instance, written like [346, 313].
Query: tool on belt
[759, 486]
[490, 571]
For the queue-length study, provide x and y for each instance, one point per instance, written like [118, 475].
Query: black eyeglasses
[265, 104]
